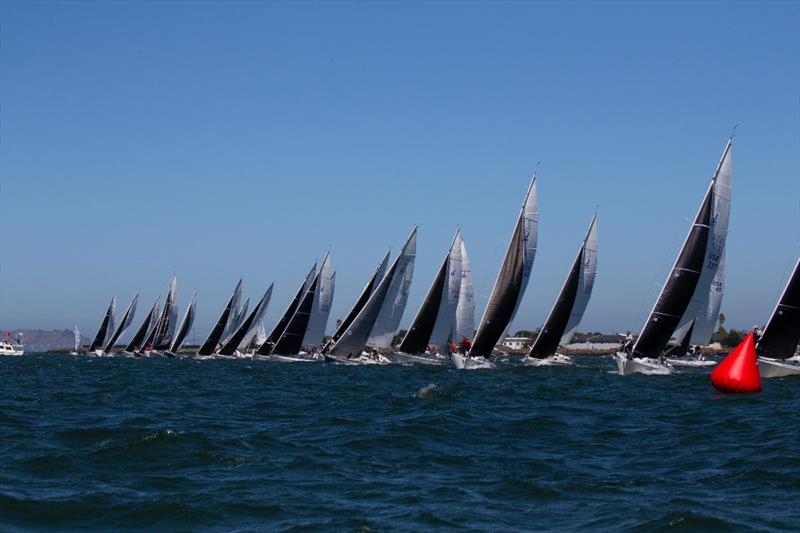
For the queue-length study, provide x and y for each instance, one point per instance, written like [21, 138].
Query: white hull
[288, 358]
[463, 362]
[360, 360]
[11, 351]
[409, 359]
[555, 359]
[774, 368]
[690, 362]
[628, 366]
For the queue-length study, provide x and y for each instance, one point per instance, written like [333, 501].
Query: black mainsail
[782, 332]
[679, 287]
[212, 341]
[277, 331]
[137, 341]
[185, 327]
[127, 318]
[247, 325]
[291, 341]
[106, 325]
[572, 300]
[373, 282]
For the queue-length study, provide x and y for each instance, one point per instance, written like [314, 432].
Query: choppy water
[240, 445]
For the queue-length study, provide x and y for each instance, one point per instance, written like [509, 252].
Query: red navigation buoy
[738, 372]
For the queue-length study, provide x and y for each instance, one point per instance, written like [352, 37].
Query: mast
[782, 332]
[679, 286]
[105, 325]
[275, 334]
[512, 278]
[127, 318]
[137, 341]
[373, 282]
[247, 325]
[354, 339]
[210, 345]
[186, 325]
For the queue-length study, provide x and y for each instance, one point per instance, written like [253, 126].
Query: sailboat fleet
[443, 329]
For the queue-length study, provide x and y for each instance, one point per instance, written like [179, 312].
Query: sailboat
[184, 328]
[464, 327]
[127, 318]
[681, 287]
[266, 348]
[350, 345]
[567, 312]
[509, 288]
[366, 292]
[321, 307]
[241, 336]
[211, 344]
[105, 328]
[291, 340]
[434, 323]
[160, 337]
[137, 341]
[780, 336]
[77, 335]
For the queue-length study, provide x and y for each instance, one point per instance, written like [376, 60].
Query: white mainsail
[530, 217]
[321, 308]
[391, 312]
[446, 317]
[585, 282]
[77, 333]
[700, 309]
[465, 310]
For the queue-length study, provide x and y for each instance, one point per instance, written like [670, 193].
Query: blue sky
[244, 139]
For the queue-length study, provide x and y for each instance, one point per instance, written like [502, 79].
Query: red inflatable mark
[738, 372]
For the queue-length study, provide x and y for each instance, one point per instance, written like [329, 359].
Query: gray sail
[185, 327]
[321, 307]
[388, 320]
[161, 338]
[354, 339]
[465, 310]
[127, 318]
[237, 321]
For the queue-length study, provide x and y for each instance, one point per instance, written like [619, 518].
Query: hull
[463, 362]
[628, 366]
[361, 360]
[289, 358]
[555, 359]
[774, 368]
[11, 352]
[409, 359]
[691, 362]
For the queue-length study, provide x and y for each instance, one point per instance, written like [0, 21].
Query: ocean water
[186, 445]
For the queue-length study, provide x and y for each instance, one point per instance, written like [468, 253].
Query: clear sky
[219, 140]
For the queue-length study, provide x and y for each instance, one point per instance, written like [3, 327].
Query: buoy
[738, 372]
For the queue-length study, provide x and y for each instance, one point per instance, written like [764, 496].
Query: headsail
[137, 341]
[321, 309]
[185, 327]
[394, 305]
[437, 312]
[106, 326]
[77, 334]
[371, 285]
[566, 314]
[236, 321]
[210, 345]
[161, 336]
[782, 332]
[127, 318]
[277, 331]
[291, 340]
[700, 312]
[248, 325]
[354, 338]
[679, 286]
[465, 310]
[512, 278]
